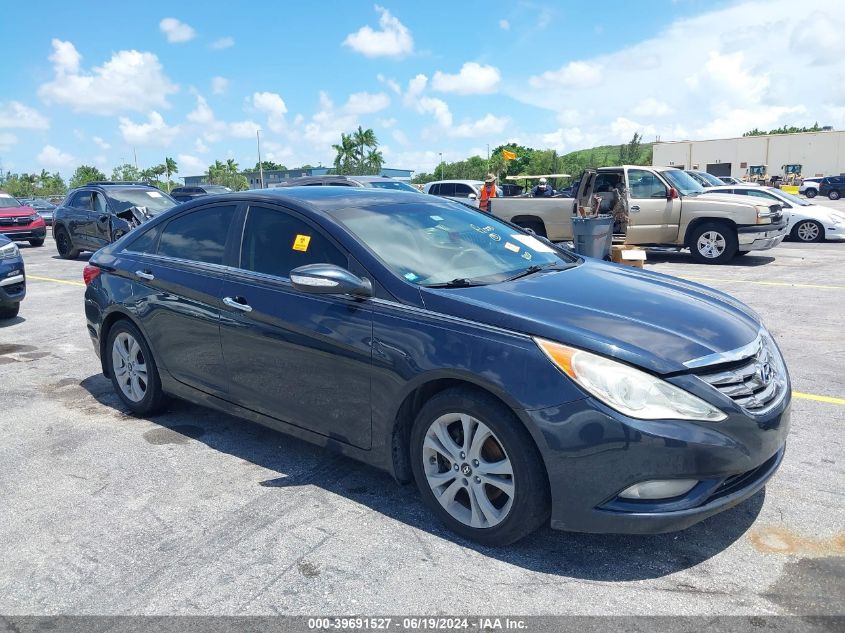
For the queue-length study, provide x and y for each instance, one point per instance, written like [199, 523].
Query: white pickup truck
[666, 209]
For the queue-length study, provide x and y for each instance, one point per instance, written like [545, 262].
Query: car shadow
[602, 557]
[745, 261]
[82, 257]
[10, 322]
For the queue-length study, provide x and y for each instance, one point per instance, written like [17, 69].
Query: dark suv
[183, 194]
[378, 182]
[101, 212]
[833, 187]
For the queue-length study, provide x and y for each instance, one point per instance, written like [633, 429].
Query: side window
[447, 189]
[341, 183]
[434, 190]
[146, 241]
[275, 242]
[606, 182]
[82, 200]
[645, 184]
[199, 236]
[100, 205]
[462, 190]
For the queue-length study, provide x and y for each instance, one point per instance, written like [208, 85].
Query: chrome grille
[756, 383]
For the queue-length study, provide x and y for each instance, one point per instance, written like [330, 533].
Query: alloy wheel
[468, 470]
[129, 367]
[711, 244]
[808, 231]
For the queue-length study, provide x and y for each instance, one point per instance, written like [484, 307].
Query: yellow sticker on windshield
[301, 243]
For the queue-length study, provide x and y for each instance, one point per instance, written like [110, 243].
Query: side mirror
[328, 279]
[673, 193]
[472, 196]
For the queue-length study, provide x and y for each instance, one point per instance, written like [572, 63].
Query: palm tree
[170, 167]
[232, 166]
[374, 161]
[364, 138]
[345, 153]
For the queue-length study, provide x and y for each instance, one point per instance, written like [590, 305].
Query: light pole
[441, 165]
[260, 166]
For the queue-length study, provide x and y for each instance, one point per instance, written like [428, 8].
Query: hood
[647, 319]
[818, 212]
[717, 197]
[14, 212]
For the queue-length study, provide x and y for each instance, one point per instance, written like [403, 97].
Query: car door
[99, 226]
[180, 269]
[654, 215]
[78, 221]
[300, 358]
[466, 194]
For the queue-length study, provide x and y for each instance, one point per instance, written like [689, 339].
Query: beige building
[820, 153]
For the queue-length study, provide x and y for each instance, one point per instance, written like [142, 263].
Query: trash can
[593, 236]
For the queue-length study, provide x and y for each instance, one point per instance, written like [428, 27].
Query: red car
[20, 223]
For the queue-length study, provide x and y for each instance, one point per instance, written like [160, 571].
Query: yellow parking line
[58, 281]
[765, 283]
[811, 396]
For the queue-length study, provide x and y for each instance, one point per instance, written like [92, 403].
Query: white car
[466, 191]
[808, 222]
[810, 187]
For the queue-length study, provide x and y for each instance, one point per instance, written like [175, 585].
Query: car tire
[64, 245]
[537, 226]
[133, 370]
[834, 194]
[500, 452]
[713, 243]
[37, 242]
[811, 192]
[807, 231]
[10, 312]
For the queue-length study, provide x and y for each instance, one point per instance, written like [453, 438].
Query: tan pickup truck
[666, 209]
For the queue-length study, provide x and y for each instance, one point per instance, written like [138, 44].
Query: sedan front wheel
[478, 468]
[808, 231]
[133, 370]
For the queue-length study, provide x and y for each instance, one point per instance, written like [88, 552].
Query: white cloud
[200, 147]
[100, 142]
[219, 85]
[14, 114]
[400, 137]
[327, 123]
[221, 43]
[729, 79]
[130, 80]
[504, 25]
[190, 165]
[202, 114]
[53, 158]
[176, 31]
[577, 74]
[154, 132]
[387, 123]
[488, 125]
[415, 100]
[366, 103]
[393, 40]
[473, 78]
[212, 129]
[6, 141]
[243, 129]
[273, 106]
[391, 83]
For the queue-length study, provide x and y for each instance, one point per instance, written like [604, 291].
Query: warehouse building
[819, 153]
[273, 176]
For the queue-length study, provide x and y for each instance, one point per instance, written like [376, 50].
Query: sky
[91, 82]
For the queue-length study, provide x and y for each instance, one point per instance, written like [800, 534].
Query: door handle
[636, 207]
[241, 305]
[143, 274]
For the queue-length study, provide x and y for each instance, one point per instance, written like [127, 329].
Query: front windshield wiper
[536, 268]
[460, 282]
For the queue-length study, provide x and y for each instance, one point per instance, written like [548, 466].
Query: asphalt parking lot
[194, 512]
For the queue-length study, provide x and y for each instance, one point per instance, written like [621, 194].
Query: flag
[508, 155]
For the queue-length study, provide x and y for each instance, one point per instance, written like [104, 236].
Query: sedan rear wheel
[808, 231]
[478, 468]
[133, 371]
[833, 195]
[64, 245]
[811, 192]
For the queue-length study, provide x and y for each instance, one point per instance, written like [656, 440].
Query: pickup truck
[666, 209]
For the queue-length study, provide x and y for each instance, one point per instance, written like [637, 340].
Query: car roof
[463, 182]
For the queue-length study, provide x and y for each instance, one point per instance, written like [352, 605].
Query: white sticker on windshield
[533, 243]
[410, 276]
[512, 247]
[436, 218]
[154, 194]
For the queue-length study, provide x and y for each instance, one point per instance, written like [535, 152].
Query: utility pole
[441, 165]
[260, 166]
[488, 158]
[135, 154]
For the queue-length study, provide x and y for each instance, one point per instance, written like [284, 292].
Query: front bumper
[12, 283]
[835, 232]
[21, 235]
[761, 237]
[592, 453]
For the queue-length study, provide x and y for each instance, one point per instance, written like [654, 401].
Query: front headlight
[10, 251]
[630, 391]
[764, 214]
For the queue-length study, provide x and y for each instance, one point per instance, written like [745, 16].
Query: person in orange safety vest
[488, 190]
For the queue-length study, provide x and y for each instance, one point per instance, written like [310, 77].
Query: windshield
[780, 193]
[154, 200]
[392, 184]
[8, 202]
[708, 180]
[431, 243]
[216, 189]
[683, 182]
